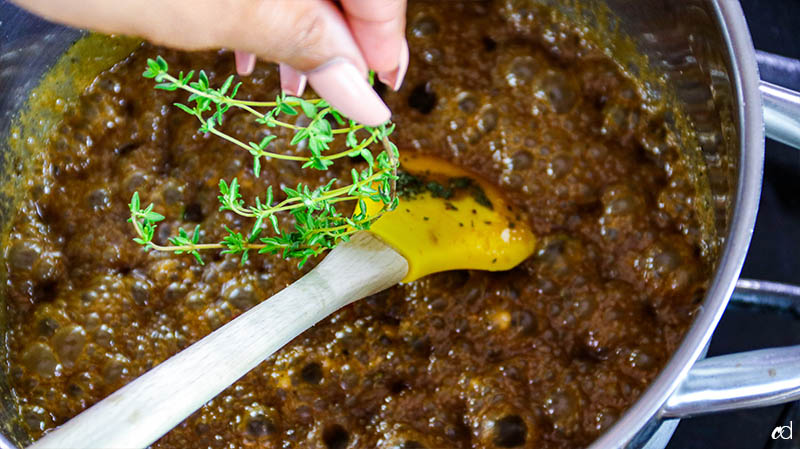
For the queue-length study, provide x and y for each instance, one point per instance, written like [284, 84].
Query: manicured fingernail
[394, 78]
[245, 62]
[292, 81]
[343, 86]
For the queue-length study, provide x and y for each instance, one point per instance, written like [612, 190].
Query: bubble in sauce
[39, 359]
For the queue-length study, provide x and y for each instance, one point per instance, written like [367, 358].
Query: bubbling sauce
[547, 355]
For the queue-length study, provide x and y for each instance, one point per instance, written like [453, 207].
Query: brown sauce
[548, 355]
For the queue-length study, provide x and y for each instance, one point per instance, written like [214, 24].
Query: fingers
[305, 35]
[316, 46]
[336, 82]
[320, 45]
[292, 81]
[379, 29]
[245, 62]
[394, 78]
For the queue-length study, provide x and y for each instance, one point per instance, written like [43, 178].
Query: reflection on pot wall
[28, 46]
[688, 61]
[692, 58]
[677, 50]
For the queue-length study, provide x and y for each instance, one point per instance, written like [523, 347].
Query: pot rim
[641, 420]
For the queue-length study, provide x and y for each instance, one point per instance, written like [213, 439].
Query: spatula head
[449, 219]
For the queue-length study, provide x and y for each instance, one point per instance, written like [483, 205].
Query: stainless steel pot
[703, 50]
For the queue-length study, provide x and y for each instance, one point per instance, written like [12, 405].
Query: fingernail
[343, 86]
[245, 62]
[292, 81]
[394, 78]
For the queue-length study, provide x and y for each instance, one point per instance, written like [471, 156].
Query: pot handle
[744, 380]
[781, 105]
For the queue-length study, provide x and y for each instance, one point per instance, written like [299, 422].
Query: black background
[774, 255]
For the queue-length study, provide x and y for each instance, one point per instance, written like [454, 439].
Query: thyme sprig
[318, 224]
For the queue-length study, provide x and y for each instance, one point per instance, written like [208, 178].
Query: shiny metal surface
[727, 23]
[781, 105]
[781, 113]
[28, 47]
[745, 380]
[705, 53]
[765, 293]
[736, 381]
[779, 69]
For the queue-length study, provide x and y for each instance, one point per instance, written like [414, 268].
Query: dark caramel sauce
[548, 355]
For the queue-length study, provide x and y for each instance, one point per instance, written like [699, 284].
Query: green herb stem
[318, 224]
[241, 144]
[231, 101]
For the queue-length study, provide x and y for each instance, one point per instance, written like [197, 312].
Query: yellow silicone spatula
[449, 220]
[456, 221]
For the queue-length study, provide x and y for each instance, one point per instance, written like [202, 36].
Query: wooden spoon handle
[141, 412]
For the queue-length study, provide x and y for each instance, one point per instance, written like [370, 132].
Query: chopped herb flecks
[409, 186]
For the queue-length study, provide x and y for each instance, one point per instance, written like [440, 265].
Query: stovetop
[774, 255]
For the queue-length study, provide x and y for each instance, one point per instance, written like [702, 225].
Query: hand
[312, 40]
